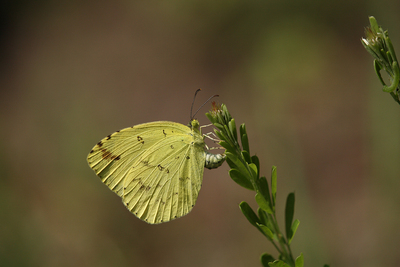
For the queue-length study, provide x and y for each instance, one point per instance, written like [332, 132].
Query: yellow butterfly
[156, 168]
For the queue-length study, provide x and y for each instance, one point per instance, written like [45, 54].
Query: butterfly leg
[207, 125]
[216, 139]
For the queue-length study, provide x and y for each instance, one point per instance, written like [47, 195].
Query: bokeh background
[294, 71]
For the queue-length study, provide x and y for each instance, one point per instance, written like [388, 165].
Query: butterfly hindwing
[156, 168]
[166, 179]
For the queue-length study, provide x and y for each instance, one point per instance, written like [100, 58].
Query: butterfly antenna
[191, 117]
[194, 98]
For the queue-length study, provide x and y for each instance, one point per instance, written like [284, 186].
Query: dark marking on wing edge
[100, 143]
[108, 137]
[108, 155]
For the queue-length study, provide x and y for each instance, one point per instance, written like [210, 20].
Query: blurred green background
[294, 71]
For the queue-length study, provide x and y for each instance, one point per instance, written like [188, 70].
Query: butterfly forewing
[113, 156]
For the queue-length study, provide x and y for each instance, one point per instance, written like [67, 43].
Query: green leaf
[374, 24]
[240, 179]
[289, 212]
[264, 190]
[266, 231]
[245, 143]
[226, 113]
[230, 163]
[300, 261]
[263, 216]
[390, 47]
[253, 169]
[295, 225]
[278, 263]
[227, 147]
[273, 185]
[228, 134]
[263, 203]
[244, 138]
[238, 164]
[220, 134]
[246, 156]
[266, 258]
[211, 118]
[378, 67]
[396, 79]
[249, 214]
[232, 128]
[256, 161]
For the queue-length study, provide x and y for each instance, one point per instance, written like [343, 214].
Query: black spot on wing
[140, 139]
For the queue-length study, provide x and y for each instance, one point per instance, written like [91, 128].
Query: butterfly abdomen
[213, 161]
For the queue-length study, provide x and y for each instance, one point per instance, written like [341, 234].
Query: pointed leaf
[295, 225]
[244, 138]
[230, 163]
[245, 143]
[265, 259]
[246, 156]
[227, 147]
[278, 263]
[266, 231]
[263, 203]
[300, 261]
[264, 190]
[228, 133]
[263, 216]
[256, 161]
[374, 24]
[238, 164]
[240, 179]
[211, 118]
[273, 185]
[289, 212]
[232, 128]
[253, 169]
[249, 213]
[226, 113]
[220, 134]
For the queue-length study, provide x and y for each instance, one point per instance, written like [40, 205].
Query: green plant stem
[283, 243]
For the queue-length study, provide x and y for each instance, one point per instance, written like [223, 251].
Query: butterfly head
[194, 124]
